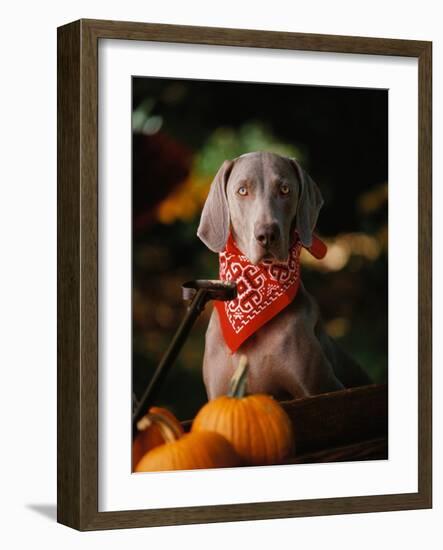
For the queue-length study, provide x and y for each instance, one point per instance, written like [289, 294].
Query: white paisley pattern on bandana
[263, 290]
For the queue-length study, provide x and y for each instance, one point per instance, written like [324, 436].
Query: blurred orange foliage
[186, 201]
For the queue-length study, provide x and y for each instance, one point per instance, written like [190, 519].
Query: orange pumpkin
[256, 425]
[154, 428]
[192, 451]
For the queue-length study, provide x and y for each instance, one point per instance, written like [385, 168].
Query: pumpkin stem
[238, 381]
[168, 430]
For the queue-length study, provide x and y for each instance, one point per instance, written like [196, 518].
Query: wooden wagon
[346, 425]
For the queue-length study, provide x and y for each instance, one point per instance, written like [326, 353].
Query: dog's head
[261, 198]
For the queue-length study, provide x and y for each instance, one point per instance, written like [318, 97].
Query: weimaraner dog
[263, 199]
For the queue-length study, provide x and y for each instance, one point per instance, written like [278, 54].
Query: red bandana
[263, 290]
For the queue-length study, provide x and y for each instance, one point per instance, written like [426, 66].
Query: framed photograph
[244, 275]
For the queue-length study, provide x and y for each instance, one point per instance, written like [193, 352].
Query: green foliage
[228, 143]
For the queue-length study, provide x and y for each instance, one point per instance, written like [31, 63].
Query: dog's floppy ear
[310, 202]
[213, 229]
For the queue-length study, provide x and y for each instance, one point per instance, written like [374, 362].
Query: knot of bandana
[263, 290]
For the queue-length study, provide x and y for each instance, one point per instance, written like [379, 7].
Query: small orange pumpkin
[256, 425]
[152, 432]
[192, 451]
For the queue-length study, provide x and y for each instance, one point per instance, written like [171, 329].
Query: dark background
[182, 132]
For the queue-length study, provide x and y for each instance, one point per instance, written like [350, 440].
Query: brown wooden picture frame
[77, 457]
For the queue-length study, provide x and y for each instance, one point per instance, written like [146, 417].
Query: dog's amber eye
[242, 191]
[284, 189]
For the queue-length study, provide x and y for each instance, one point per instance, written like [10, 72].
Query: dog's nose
[267, 234]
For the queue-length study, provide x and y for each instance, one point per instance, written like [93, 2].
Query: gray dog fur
[261, 198]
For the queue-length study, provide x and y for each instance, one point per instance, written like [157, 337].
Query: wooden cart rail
[339, 418]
